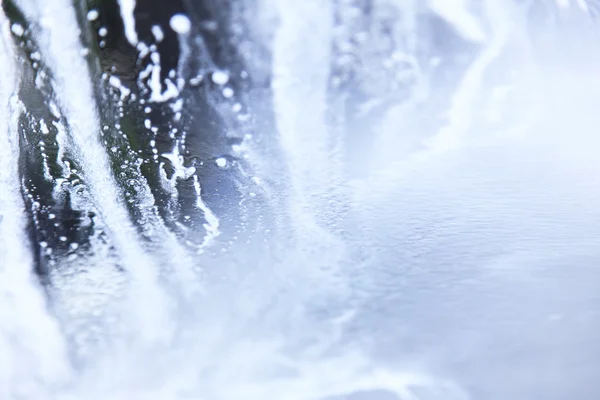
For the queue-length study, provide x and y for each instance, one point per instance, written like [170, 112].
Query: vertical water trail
[301, 70]
[302, 60]
[32, 351]
[458, 14]
[499, 17]
[60, 39]
[499, 20]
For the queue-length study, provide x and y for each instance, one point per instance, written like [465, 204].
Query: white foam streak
[73, 87]
[212, 222]
[116, 83]
[127, 9]
[154, 83]
[31, 346]
[62, 142]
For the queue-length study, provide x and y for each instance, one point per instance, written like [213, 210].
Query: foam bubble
[180, 23]
[220, 77]
[158, 33]
[17, 29]
[92, 15]
[221, 162]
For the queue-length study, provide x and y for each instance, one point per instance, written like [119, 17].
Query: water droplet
[180, 23]
[103, 32]
[220, 77]
[44, 127]
[158, 33]
[228, 93]
[17, 29]
[221, 162]
[196, 80]
[92, 15]
[210, 25]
